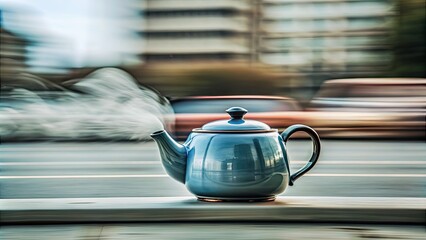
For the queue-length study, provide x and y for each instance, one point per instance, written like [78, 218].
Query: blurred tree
[411, 39]
[209, 79]
[231, 81]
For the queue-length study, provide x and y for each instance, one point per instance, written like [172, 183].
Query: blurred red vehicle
[194, 112]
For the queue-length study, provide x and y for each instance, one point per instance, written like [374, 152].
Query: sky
[76, 33]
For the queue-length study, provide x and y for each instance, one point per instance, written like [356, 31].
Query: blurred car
[371, 107]
[372, 94]
[194, 112]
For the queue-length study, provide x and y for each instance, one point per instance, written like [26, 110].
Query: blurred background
[84, 83]
[176, 49]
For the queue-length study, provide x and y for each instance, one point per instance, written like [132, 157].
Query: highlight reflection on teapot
[234, 160]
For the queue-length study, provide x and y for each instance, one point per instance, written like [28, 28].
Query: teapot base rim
[236, 199]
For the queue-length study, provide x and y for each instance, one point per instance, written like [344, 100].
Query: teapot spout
[173, 155]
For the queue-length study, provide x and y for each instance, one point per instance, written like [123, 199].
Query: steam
[111, 106]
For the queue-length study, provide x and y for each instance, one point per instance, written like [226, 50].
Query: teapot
[234, 160]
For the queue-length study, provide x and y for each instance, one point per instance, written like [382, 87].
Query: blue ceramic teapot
[234, 160]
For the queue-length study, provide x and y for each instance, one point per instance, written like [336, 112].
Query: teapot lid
[235, 124]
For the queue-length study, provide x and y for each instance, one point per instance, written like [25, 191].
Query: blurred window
[296, 58]
[307, 42]
[368, 7]
[191, 13]
[367, 23]
[319, 25]
[317, 42]
[280, 43]
[371, 57]
[195, 34]
[366, 40]
[324, 9]
[220, 105]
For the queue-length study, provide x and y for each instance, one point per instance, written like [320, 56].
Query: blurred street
[209, 231]
[84, 170]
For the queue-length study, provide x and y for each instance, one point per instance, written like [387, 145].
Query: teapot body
[236, 166]
[236, 159]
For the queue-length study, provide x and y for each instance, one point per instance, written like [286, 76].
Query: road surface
[211, 231]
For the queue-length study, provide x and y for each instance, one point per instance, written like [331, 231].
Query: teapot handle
[316, 148]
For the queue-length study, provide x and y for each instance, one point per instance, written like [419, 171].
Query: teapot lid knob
[236, 112]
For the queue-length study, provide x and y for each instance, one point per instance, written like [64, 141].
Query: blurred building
[12, 53]
[309, 36]
[310, 39]
[305, 41]
[177, 30]
[321, 38]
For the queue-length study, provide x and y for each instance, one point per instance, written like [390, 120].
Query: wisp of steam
[108, 104]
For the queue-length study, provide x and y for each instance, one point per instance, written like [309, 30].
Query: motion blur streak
[107, 104]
